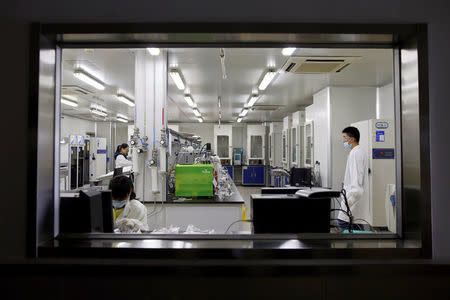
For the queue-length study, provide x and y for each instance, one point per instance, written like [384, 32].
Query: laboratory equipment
[297, 139]
[79, 160]
[237, 156]
[308, 143]
[275, 141]
[256, 144]
[287, 123]
[97, 158]
[194, 180]
[377, 139]
[86, 211]
[222, 143]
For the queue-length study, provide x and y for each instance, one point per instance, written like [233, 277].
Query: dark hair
[121, 146]
[352, 132]
[120, 187]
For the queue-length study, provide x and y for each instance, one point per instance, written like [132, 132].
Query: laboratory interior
[233, 141]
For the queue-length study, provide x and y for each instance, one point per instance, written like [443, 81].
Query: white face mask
[347, 145]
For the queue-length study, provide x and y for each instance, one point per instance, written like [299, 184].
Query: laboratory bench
[204, 213]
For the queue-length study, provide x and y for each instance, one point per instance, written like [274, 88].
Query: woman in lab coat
[129, 216]
[121, 156]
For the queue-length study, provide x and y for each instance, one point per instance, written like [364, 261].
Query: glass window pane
[256, 146]
[223, 146]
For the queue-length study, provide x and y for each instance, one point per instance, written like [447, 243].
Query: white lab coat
[133, 218]
[356, 182]
[121, 161]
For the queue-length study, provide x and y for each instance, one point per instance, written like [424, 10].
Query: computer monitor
[87, 211]
[300, 177]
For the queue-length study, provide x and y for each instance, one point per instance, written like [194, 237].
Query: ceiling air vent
[75, 90]
[318, 64]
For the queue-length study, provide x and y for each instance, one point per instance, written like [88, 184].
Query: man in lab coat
[355, 182]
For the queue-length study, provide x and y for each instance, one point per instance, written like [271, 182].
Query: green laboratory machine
[194, 180]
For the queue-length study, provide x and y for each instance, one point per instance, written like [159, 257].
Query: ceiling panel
[201, 70]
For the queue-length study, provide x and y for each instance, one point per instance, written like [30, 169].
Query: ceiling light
[189, 100]
[127, 100]
[98, 110]
[69, 102]
[89, 79]
[219, 102]
[176, 77]
[268, 77]
[197, 113]
[69, 97]
[122, 120]
[252, 100]
[239, 120]
[288, 51]
[200, 119]
[122, 116]
[154, 51]
[244, 112]
[99, 113]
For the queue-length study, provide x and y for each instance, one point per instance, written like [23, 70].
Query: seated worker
[129, 216]
[121, 156]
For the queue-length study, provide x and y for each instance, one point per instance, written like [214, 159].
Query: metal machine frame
[44, 112]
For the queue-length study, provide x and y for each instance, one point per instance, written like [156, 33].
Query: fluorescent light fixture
[69, 102]
[197, 113]
[98, 110]
[128, 101]
[252, 100]
[69, 97]
[154, 51]
[89, 79]
[122, 116]
[239, 120]
[176, 77]
[189, 100]
[244, 112]
[288, 51]
[99, 113]
[268, 77]
[219, 102]
[200, 119]
[122, 120]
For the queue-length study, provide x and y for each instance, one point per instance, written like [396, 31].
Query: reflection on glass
[284, 146]
[256, 146]
[223, 146]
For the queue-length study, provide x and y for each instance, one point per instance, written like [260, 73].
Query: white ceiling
[202, 72]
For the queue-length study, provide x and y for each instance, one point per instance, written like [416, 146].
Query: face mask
[347, 145]
[119, 204]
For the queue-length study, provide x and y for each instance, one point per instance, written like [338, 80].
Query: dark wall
[17, 15]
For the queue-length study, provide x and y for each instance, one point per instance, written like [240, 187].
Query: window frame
[50, 36]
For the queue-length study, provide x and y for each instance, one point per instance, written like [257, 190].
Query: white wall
[75, 126]
[333, 109]
[348, 105]
[385, 102]
[318, 113]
